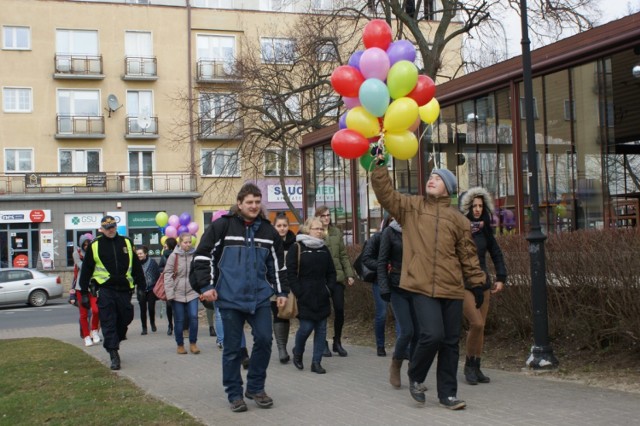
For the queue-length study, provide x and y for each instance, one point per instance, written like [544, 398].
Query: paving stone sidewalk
[355, 390]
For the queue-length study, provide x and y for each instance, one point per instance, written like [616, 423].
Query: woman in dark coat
[169, 245]
[280, 325]
[312, 278]
[476, 204]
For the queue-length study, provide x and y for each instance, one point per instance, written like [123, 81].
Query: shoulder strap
[299, 250]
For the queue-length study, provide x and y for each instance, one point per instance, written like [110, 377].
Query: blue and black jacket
[243, 262]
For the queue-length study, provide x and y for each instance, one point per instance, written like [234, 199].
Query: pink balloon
[351, 102]
[174, 221]
[193, 228]
[374, 63]
[217, 215]
[171, 231]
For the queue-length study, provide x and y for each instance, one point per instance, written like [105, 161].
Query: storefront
[20, 238]
[587, 125]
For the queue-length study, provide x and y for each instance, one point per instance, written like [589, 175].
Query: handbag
[290, 309]
[158, 288]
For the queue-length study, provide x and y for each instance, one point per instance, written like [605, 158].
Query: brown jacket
[438, 252]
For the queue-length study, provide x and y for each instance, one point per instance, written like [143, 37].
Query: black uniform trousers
[116, 313]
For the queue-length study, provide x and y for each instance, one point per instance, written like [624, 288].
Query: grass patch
[45, 381]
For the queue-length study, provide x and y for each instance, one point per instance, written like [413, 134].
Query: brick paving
[355, 390]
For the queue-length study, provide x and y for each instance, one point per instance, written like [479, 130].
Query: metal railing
[134, 127]
[135, 66]
[209, 128]
[215, 71]
[78, 64]
[79, 125]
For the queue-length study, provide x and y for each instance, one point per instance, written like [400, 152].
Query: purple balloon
[354, 60]
[401, 50]
[374, 63]
[183, 230]
[193, 228]
[342, 124]
[351, 102]
[185, 219]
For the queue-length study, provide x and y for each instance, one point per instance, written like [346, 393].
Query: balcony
[136, 131]
[82, 67]
[95, 183]
[211, 71]
[140, 68]
[79, 127]
[211, 129]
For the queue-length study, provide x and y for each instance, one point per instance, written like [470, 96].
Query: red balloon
[346, 80]
[424, 91]
[377, 33]
[349, 144]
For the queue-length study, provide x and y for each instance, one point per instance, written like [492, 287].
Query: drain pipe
[192, 147]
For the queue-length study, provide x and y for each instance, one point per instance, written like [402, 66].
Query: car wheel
[38, 298]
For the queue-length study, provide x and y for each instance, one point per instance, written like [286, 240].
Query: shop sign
[82, 220]
[325, 193]
[275, 193]
[46, 248]
[57, 180]
[25, 216]
[21, 261]
[142, 220]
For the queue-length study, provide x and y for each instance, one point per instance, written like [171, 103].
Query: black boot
[245, 358]
[317, 368]
[170, 330]
[281, 332]
[327, 352]
[144, 331]
[212, 331]
[297, 361]
[470, 374]
[115, 359]
[479, 374]
[153, 327]
[337, 347]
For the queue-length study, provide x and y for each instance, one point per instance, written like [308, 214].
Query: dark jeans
[261, 329]
[319, 337]
[190, 311]
[337, 297]
[147, 300]
[116, 313]
[438, 323]
[405, 335]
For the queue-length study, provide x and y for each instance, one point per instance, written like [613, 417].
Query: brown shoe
[181, 350]
[194, 349]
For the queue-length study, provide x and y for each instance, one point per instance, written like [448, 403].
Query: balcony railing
[79, 126]
[217, 129]
[78, 66]
[112, 182]
[212, 71]
[140, 68]
[135, 129]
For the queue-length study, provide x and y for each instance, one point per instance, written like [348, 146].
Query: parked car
[22, 285]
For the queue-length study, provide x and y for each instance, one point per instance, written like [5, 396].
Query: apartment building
[110, 107]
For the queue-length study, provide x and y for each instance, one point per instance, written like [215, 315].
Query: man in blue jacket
[239, 264]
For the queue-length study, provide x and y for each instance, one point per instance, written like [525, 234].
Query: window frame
[72, 33]
[15, 28]
[73, 152]
[277, 172]
[274, 43]
[523, 112]
[16, 100]
[17, 160]
[213, 153]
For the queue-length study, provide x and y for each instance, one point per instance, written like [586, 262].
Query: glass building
[586, 92]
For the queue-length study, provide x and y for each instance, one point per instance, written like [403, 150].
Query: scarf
[309, 241]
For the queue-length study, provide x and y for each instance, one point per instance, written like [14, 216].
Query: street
[21, 316]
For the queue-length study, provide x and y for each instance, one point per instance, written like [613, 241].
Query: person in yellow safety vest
[110, 271]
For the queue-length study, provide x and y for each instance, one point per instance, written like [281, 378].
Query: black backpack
[365, 274]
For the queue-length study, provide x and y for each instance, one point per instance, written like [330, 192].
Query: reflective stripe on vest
[100, 273]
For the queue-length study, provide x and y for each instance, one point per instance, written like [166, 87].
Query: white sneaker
[95, 336]
[88, 341]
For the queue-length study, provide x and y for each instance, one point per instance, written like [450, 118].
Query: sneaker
[87, 341]
[453, 403]
[95, 336]
[238, 406]
[381, 351]
[261, 398]
[417, 392]
[219, 344]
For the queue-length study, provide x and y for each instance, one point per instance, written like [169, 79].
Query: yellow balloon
[430, 111]
[402, 145]
[363, 122]
[400, 115]
[193, 240]
[163, 240]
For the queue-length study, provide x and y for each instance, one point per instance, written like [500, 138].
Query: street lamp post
[541, 356]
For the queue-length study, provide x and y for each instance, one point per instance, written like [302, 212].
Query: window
[79, 160]
[79, 102]
[218, 106]
[16, 38]
[138, 44]
[221, 48]
[569, 110]
[140, 104]
[326, 52]
[18, 160]
[277, 50]
[272, 162]
[220, 163]
[328, 105]
[282, 109]
[523, 112]
[77, 42]
[140, 170]
[17, 99]
[325, 160]
[322, 5]
[277, 5]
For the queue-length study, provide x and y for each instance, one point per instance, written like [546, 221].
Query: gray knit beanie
[448, 178]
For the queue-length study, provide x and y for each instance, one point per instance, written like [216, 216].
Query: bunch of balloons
[385, 98]
[174, 225]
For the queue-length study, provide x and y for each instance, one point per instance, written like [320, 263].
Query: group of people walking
[429, 262]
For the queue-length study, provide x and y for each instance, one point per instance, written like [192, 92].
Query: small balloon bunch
[385, 98]
[174, 225]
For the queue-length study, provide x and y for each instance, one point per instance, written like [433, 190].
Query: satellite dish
[144, 121]
[113, 104]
